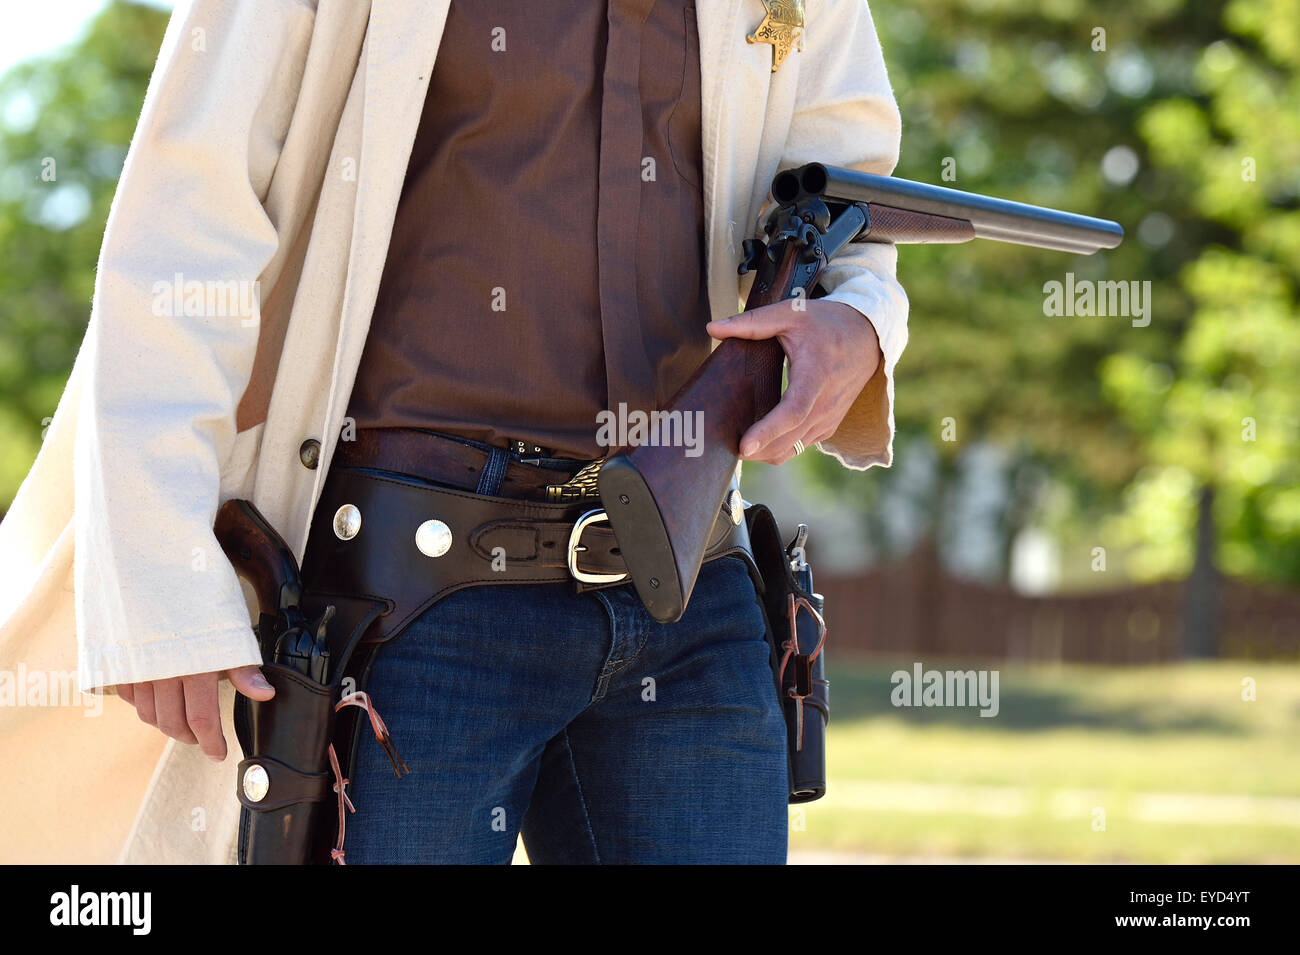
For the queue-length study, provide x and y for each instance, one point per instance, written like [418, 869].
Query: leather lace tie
[340, 784]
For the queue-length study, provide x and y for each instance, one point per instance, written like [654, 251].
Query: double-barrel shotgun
[661, 503]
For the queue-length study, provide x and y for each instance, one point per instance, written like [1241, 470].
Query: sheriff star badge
[782, 27]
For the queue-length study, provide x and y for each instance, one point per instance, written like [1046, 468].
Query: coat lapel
[736, 97]
[718, 21]
[401, 42]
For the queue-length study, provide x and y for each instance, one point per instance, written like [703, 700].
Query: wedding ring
[798, 447]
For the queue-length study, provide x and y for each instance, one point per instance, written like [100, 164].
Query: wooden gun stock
[662, 503]
[259, 555]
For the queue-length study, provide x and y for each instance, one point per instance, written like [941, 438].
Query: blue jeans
[602, 735]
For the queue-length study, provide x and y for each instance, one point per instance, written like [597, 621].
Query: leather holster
[798, 663]
[288, 739]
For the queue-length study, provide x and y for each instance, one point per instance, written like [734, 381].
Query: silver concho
[256, 783]
[347, 522]
[433, 538]
[736, 506]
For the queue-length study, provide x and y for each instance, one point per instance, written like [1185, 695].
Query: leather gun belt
[408, 543]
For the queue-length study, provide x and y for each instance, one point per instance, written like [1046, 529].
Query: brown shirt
[547, 258]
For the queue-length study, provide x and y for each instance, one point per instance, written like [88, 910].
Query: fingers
[186, 708]
[769, 321]
[774, 434]
[820, 434]
[144, 703]
[782, 448]
[249, 681]
[169, 707]
[826, 372]
[203, 714]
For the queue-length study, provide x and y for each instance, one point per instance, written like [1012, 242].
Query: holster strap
[286, 786]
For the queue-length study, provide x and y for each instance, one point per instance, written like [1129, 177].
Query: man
[259, 158]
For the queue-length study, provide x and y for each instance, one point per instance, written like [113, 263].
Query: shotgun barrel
[998, 219]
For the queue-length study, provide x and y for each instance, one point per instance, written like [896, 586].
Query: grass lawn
[1183, 769]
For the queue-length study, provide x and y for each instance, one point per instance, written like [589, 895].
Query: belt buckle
[576, 547]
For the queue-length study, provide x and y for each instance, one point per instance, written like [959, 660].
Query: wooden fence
[913, 609]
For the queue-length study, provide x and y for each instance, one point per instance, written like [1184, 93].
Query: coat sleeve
[846, 115]
[170, 344]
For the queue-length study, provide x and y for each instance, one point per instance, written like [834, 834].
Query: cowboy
[473, 229]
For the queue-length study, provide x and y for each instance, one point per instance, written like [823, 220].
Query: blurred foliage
[1123, 424]
[1229, 417]
[66, 121]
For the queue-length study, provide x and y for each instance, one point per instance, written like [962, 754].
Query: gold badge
[782, 27]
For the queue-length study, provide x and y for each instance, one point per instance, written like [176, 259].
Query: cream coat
[272, 146]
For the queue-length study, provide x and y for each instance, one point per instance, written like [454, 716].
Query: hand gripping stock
[661, 503]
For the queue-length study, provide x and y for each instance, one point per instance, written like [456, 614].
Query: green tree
[1141, 113]
[1223, 433]
[66, 121]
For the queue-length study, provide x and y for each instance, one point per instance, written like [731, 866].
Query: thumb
[768, 321]
[249, 681]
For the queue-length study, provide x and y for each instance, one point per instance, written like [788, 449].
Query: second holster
[288, 800]
[796, 632]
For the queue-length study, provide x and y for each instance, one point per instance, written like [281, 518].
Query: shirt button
[309, 454]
